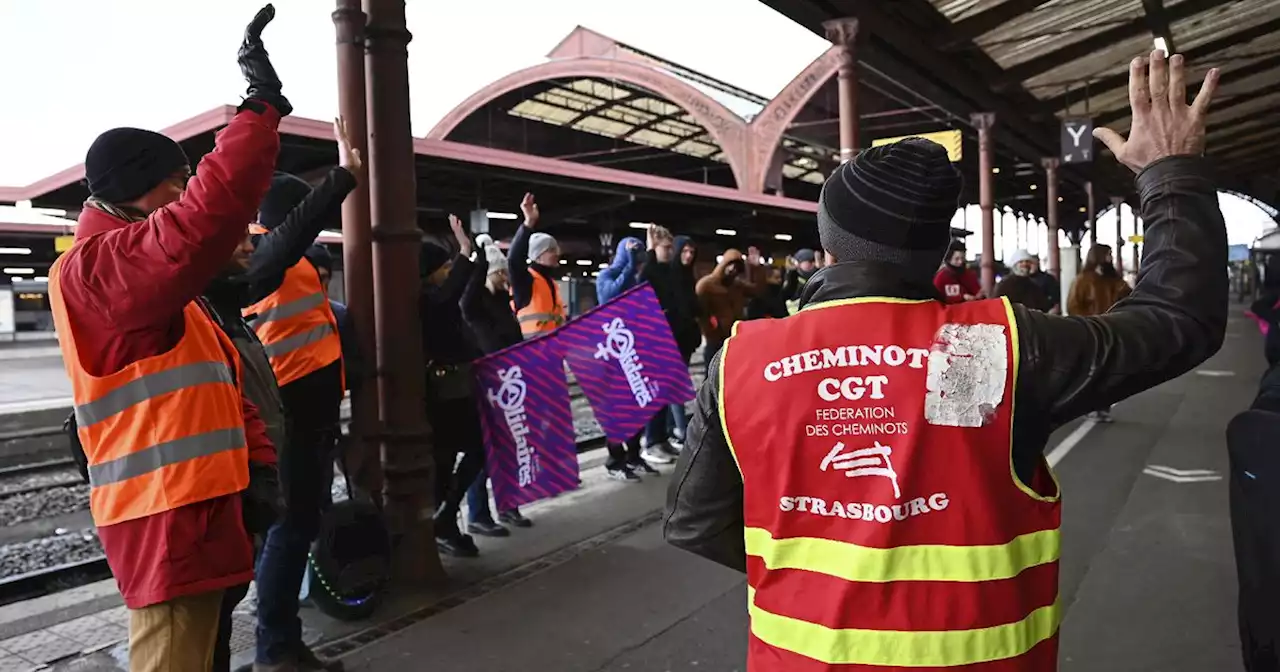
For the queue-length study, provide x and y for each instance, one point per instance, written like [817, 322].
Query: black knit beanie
[893, 204]
[432, 258]
[319, 257]
[285, 193]
[123, 164]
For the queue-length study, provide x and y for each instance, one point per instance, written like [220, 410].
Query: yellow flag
[952, 140]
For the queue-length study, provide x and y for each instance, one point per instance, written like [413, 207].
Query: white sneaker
[655, 455]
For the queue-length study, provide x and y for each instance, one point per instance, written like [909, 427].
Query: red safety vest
[296, 325]
[885, 528]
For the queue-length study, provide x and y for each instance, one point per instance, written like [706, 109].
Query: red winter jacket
[953, 286]
[126, 285]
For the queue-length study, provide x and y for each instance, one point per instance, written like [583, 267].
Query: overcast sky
[75, 68]
[78, 67]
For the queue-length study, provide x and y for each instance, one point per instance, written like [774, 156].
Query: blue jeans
[679, 420]
[669, 422]
[478, 500]
[306, 471]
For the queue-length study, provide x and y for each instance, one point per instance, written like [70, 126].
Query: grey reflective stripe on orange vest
[149, 386]
[290, 309]
[288, 345]
[150, 459]
[541, 317]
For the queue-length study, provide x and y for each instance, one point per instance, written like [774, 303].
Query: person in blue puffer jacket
[625, 459]
[623, 273]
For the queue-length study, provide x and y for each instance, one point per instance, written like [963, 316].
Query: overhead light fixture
[564, 262]
[782, 236]
[41, 278]
[640, 225]
[584, 262]
[1162, 46]
[15, 250]
[1034, 187]
[603, 265]
[995, 170]
[20, 271]
[595, 274]
[503, 215]
[1059, 199]
[726, 232]
[1083, 210]
[16, 279]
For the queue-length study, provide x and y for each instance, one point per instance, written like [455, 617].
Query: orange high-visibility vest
[162, 432]
[885, 527]
[546, 310]
[296, 325]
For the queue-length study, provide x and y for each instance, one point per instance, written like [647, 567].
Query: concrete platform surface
[1147, 571]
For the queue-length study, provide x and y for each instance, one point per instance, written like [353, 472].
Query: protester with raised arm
[850, 458]
[170, 437]
[534, 264]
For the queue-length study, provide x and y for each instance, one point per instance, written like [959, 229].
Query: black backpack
[74, 447]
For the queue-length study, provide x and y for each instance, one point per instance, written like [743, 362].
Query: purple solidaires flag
[530, 447]
[626, 361]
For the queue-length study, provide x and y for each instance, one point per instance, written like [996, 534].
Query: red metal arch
[727, 129]
[767, 128]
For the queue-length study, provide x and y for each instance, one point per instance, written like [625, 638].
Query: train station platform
[1147, 572]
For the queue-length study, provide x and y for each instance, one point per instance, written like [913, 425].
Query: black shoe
[514, 518]
[643, 467]
[623, 474]
[488, 528]
[669, 448]
[461, 546]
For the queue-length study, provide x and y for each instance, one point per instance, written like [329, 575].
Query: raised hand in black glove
[264, 84]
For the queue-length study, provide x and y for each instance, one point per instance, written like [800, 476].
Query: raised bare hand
[530, 210]
[464, 240]
[348, 155]
[1164, 124]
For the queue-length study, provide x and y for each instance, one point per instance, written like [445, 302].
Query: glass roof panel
[602, 126]
[653, 138]
[532, 109]
[1054, 25]
[959, 10]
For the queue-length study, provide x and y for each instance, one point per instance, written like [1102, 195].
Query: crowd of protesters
[204, 299]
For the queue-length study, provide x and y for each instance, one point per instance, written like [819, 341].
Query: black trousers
[1254, 499]
[456, 427]
[222, 650]
[622, 454]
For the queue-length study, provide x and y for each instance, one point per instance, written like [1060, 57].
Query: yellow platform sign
[63, 243]
[952, 140]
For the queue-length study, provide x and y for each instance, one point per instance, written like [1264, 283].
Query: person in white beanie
[534, 264]
[1019, 286]
[486, 306]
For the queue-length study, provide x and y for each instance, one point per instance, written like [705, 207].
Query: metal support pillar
[1051, 212]
[984, 121]
[1116, 202]
[1138, 229]
[361, 461]
[1092, 210]
[844, 34]
[397, 240]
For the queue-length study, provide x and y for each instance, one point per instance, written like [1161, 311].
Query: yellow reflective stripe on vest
[149, 386]
[893, 648]
[291, 309]
[161, 455]
[906, 563]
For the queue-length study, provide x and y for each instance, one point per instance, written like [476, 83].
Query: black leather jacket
[1175, 319]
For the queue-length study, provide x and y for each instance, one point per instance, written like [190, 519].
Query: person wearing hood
[534, 266]
[287, 306]
[149, 367]
[837, 519]
[627, 458]
[955, 280]
[805, 264]
[722, 297]
[1020, 287]
[660, 272]
[684, 318]
[449, 347]
[486, 306]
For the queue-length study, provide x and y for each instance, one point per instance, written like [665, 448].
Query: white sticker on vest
[968, 364]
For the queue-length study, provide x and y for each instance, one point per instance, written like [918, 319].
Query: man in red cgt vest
[859, 459]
